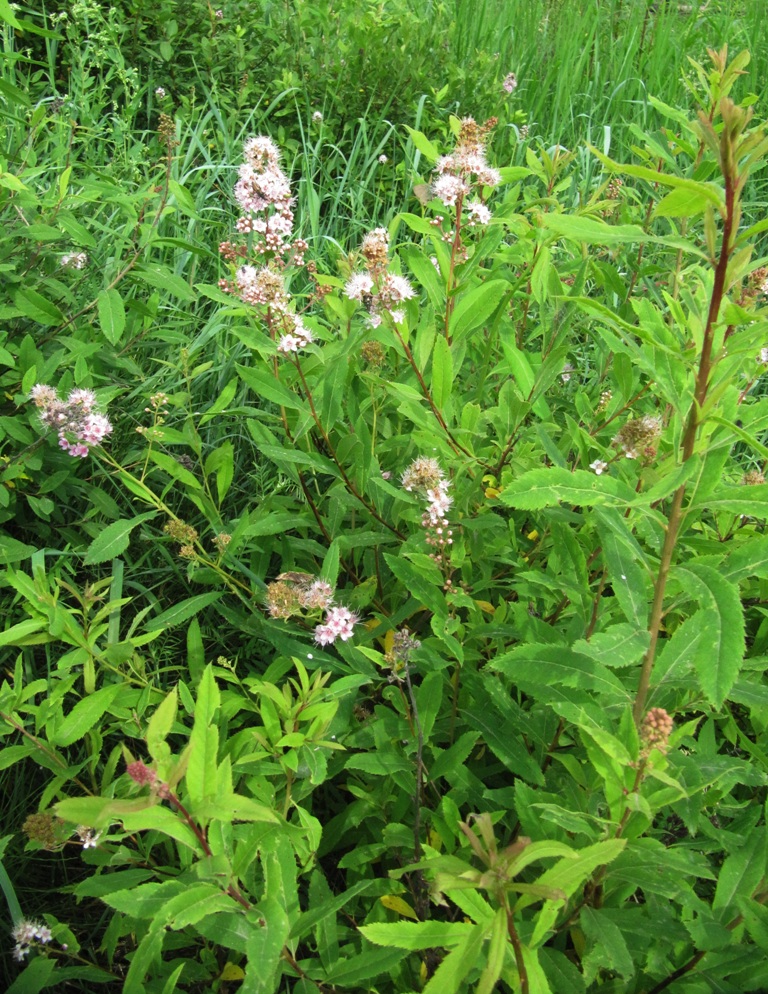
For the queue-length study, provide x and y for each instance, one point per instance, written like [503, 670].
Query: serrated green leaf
[84, 715]
[475, 307]
[264, 947]
[111, 311]
[722, 639]
[202, 768]
[114, 539]
[160, 725]
[417, 935]
[549, 487]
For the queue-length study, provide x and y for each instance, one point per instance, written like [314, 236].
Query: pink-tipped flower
[510, 83]
[339, 624]
[75, 420]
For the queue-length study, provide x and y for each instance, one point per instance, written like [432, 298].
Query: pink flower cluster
[75, 420]
[264, 195]
[510, 83]
[455, 171]
[26, 933]
[380, 291]
[425, 476]
[294, 593]
[339, 624]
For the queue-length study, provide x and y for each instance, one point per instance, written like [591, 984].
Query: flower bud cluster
[75, 420]
[655, 730]
[380, 291]
[185, 535]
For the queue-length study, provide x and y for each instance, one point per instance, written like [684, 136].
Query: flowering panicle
[339, 623]
[75, 420]
[510, 83]
[27, 933]
[263, 193]
[88, 836]
[426, 477]
[468, 160]
[300, 594]
[380, 291]
[74, 260]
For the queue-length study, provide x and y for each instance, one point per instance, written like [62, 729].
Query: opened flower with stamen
[75, 420]
[381, 291]
[339, 624]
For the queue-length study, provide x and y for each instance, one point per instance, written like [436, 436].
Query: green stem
[676, 513]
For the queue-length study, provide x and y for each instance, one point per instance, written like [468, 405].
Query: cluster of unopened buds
[294, 594]
[426, 477]
[75, 420]
[655, 731]
[378, 289]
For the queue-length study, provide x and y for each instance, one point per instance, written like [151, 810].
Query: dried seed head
[374, 354]
[41, 827]
[422, 475]
[752, 478]
[166, 129]
[639, 434]
[282, 599]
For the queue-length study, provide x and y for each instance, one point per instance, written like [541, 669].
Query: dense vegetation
[382, 500]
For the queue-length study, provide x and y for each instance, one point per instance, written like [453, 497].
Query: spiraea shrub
[389, 617]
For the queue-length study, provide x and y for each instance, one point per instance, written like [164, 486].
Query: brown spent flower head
[282, 600]
[403, 644]
[221, 541]
[41, 827]
[752, 478]
[374, 354]
[375, 248]
[639, 436]
[655, 730]
[166, 129]
[424, 473]
[181, 532]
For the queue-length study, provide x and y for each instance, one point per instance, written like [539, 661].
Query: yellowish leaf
[398, 905]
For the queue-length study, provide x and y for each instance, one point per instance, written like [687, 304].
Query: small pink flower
[478, 212]
[358, 285]
[510, 83]
[339, 623]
